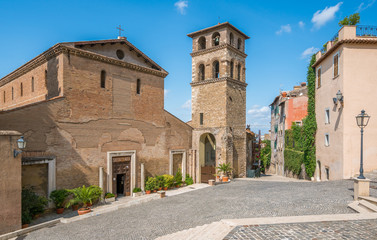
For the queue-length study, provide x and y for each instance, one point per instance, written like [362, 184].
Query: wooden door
[122, 166]
[207, 173]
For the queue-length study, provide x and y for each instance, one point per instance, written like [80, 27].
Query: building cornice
[336, 45]
[218, 26]
[58, 49]
[215, 80]
[213, 49]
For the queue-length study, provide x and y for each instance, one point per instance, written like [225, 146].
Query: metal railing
[366, 31]
[334, 39]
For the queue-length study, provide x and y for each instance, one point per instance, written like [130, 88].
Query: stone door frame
[51, 170]
[110, 156]
[184, 160]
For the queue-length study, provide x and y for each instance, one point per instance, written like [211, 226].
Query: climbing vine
[294, 149]
[310, 124]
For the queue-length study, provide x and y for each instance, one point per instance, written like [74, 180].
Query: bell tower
[218, 100]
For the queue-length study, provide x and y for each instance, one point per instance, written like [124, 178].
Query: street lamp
[21, 144]
[362, 121]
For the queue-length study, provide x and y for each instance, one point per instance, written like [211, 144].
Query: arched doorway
[207, 157]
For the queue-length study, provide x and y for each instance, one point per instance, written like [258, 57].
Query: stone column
[142, 177]
[10, 179]
[100, 182]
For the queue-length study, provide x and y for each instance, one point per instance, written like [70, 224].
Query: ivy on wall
[265, 155]
[310, 123]
[300, 140]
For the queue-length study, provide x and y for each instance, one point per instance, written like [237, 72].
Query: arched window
[201, 72]
[231, 69]
[103, 79]
[32, 84]
[138, 86]
[21, 90]
[216, 39]
[216, 69]
[202, 43]
[231, 39]
[239, 44]
[239, 71]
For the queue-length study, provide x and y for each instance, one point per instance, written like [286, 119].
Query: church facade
[93, 113]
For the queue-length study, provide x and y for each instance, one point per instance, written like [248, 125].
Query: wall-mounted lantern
[339, 97]
[21, 144]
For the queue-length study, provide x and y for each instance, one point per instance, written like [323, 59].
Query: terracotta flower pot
[25, 225]
[154, 190]
[59, 210]
[148, 192]
[75, 207]
[165, 188]
[89, 204]
[225, 179]
[177, 186]
[83, 211]
[160, 188]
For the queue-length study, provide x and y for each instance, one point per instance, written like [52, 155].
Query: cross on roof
[120, 30]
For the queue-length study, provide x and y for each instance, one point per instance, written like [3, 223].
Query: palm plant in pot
[59, 197]
[85, 196]
[226, 170]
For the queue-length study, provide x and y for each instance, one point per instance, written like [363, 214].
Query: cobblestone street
[362, 229]
[238, 199]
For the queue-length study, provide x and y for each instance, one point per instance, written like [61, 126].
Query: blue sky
[283, 35]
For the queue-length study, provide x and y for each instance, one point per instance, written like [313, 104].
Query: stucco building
[289, 107]
[348, 66]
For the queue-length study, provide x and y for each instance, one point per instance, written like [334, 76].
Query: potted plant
[109, 197]
[160, 182]
[58, 197]
[150, 185]
[189, 180]
[136, 192]
[32, 205]
[178, 178]
[217, 176]
[84, 195]
[226, 170]
[168, 181]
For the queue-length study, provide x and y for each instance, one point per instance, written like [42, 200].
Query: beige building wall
[10, 183]
[357, 82]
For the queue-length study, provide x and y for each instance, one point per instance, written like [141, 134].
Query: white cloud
[309, 52]
[259, 117]
[362, 6]
[321, 17]
[166, 91]
[187, 104]
[284, 28]
[181, 6]
[301, 24]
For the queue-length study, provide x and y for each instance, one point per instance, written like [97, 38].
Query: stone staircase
[364, 205]
[213, 231]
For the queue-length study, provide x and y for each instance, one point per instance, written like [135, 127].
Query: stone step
[368, 205]
[213, 231]
[369, 199]
[360, 209]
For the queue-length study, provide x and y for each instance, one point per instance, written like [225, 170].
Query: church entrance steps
[369, 199]
[213, 231]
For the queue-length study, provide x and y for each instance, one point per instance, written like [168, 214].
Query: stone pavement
[359, 229]
[238, 199]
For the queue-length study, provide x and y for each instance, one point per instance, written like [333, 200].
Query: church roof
[121, 40]
[75, 46]
[218, 26]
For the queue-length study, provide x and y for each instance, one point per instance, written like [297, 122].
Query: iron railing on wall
[366, 31]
